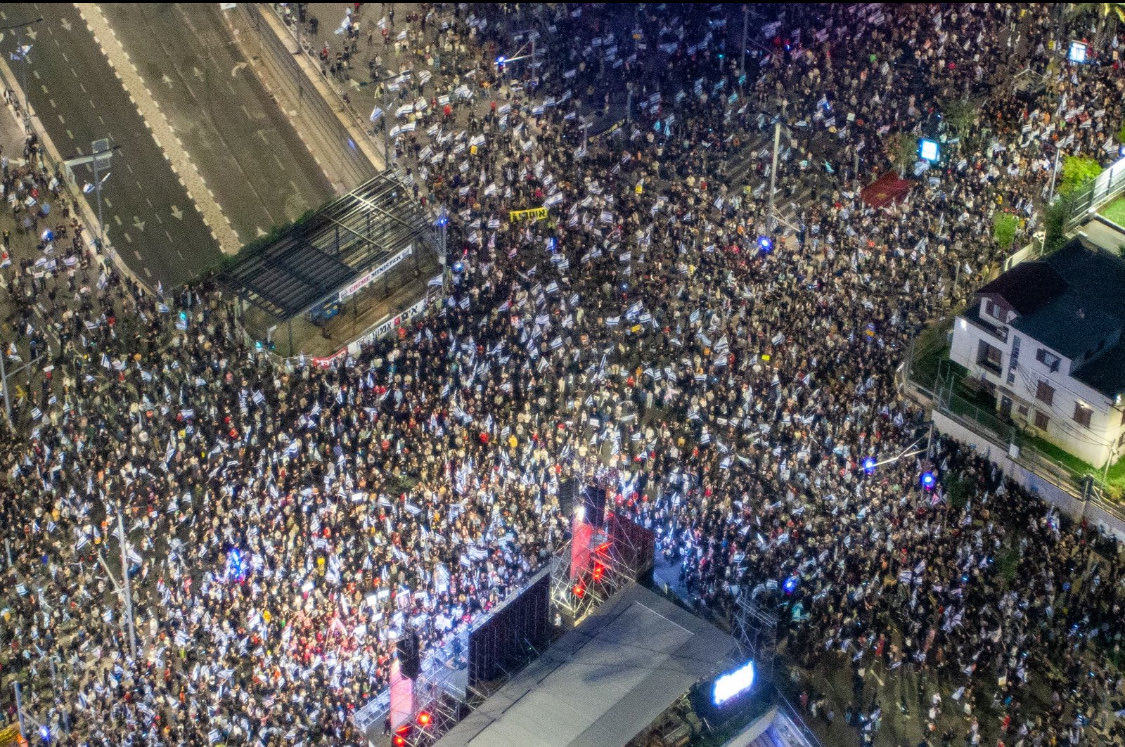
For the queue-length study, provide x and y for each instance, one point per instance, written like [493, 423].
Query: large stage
[605, 681]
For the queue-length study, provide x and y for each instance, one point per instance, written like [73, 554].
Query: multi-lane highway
[247, 152]
[148, 215]
[212, 117]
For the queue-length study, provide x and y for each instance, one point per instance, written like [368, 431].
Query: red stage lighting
[399, 741]
[603, 548]
[424, 719]
[599, 571]
[580, 589]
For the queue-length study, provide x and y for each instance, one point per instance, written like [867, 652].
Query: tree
[1054, 222]
[962, 116]
[1004, 227]
[1077, 172]
[903, 148]
[1108, 13]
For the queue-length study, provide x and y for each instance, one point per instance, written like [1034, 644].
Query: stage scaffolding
[755, 627]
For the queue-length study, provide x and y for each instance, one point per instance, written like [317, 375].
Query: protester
[286, 522]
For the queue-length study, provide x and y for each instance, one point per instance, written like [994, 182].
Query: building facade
[1047, 340]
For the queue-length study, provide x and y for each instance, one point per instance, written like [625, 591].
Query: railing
[790, 711]
[1087, 199]
[986, 423]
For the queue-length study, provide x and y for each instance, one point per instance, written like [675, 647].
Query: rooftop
[1073, 302]
[606, 680]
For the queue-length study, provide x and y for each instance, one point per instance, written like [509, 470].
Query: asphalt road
[259, 171]
[148, 215]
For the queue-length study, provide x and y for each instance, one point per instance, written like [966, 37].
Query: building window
[1082, 414]
[1048, 359]
[990, 309]
[1041, 421]
[1045, 393]
[989, 357]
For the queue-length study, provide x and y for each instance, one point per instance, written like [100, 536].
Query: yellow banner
[538, 213]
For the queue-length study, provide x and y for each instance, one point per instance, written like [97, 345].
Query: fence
[1086, 200]
[975, 423]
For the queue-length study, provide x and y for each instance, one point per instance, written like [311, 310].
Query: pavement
[319, 114]
[254, 169]
[149, 216]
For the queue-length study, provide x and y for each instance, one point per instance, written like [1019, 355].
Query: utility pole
[742, 52]
[1054, 174]
[127, 583]
[772, 221]
[101, 153]
[4, 376]
[443, 235]
[19, 709]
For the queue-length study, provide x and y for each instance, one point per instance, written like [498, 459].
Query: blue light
[765, 244]
[928, 480]
[790, 585]
[869, 465]
[458, 266]
[732, 684]
[235, 568]
[442, 221]
[45, 733]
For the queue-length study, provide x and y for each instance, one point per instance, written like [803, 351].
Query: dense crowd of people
[287, 522]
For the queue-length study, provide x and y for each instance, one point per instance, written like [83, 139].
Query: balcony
[998, 333]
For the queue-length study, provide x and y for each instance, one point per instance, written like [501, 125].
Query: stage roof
[606, 680]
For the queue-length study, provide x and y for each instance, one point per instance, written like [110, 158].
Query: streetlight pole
[742, 52]
[101, 154]
[127, 583]
[773, 171]
[443, 225]
[4, 376]
[19, 709]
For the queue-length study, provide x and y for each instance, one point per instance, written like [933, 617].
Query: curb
[330, 96]
[89, 220]
[161, 130]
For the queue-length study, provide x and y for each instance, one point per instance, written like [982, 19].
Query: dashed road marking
[117, 220]
[219, 224]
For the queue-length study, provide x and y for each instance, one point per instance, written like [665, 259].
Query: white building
[1046, 339]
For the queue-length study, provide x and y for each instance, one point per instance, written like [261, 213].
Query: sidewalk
[339, 147]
